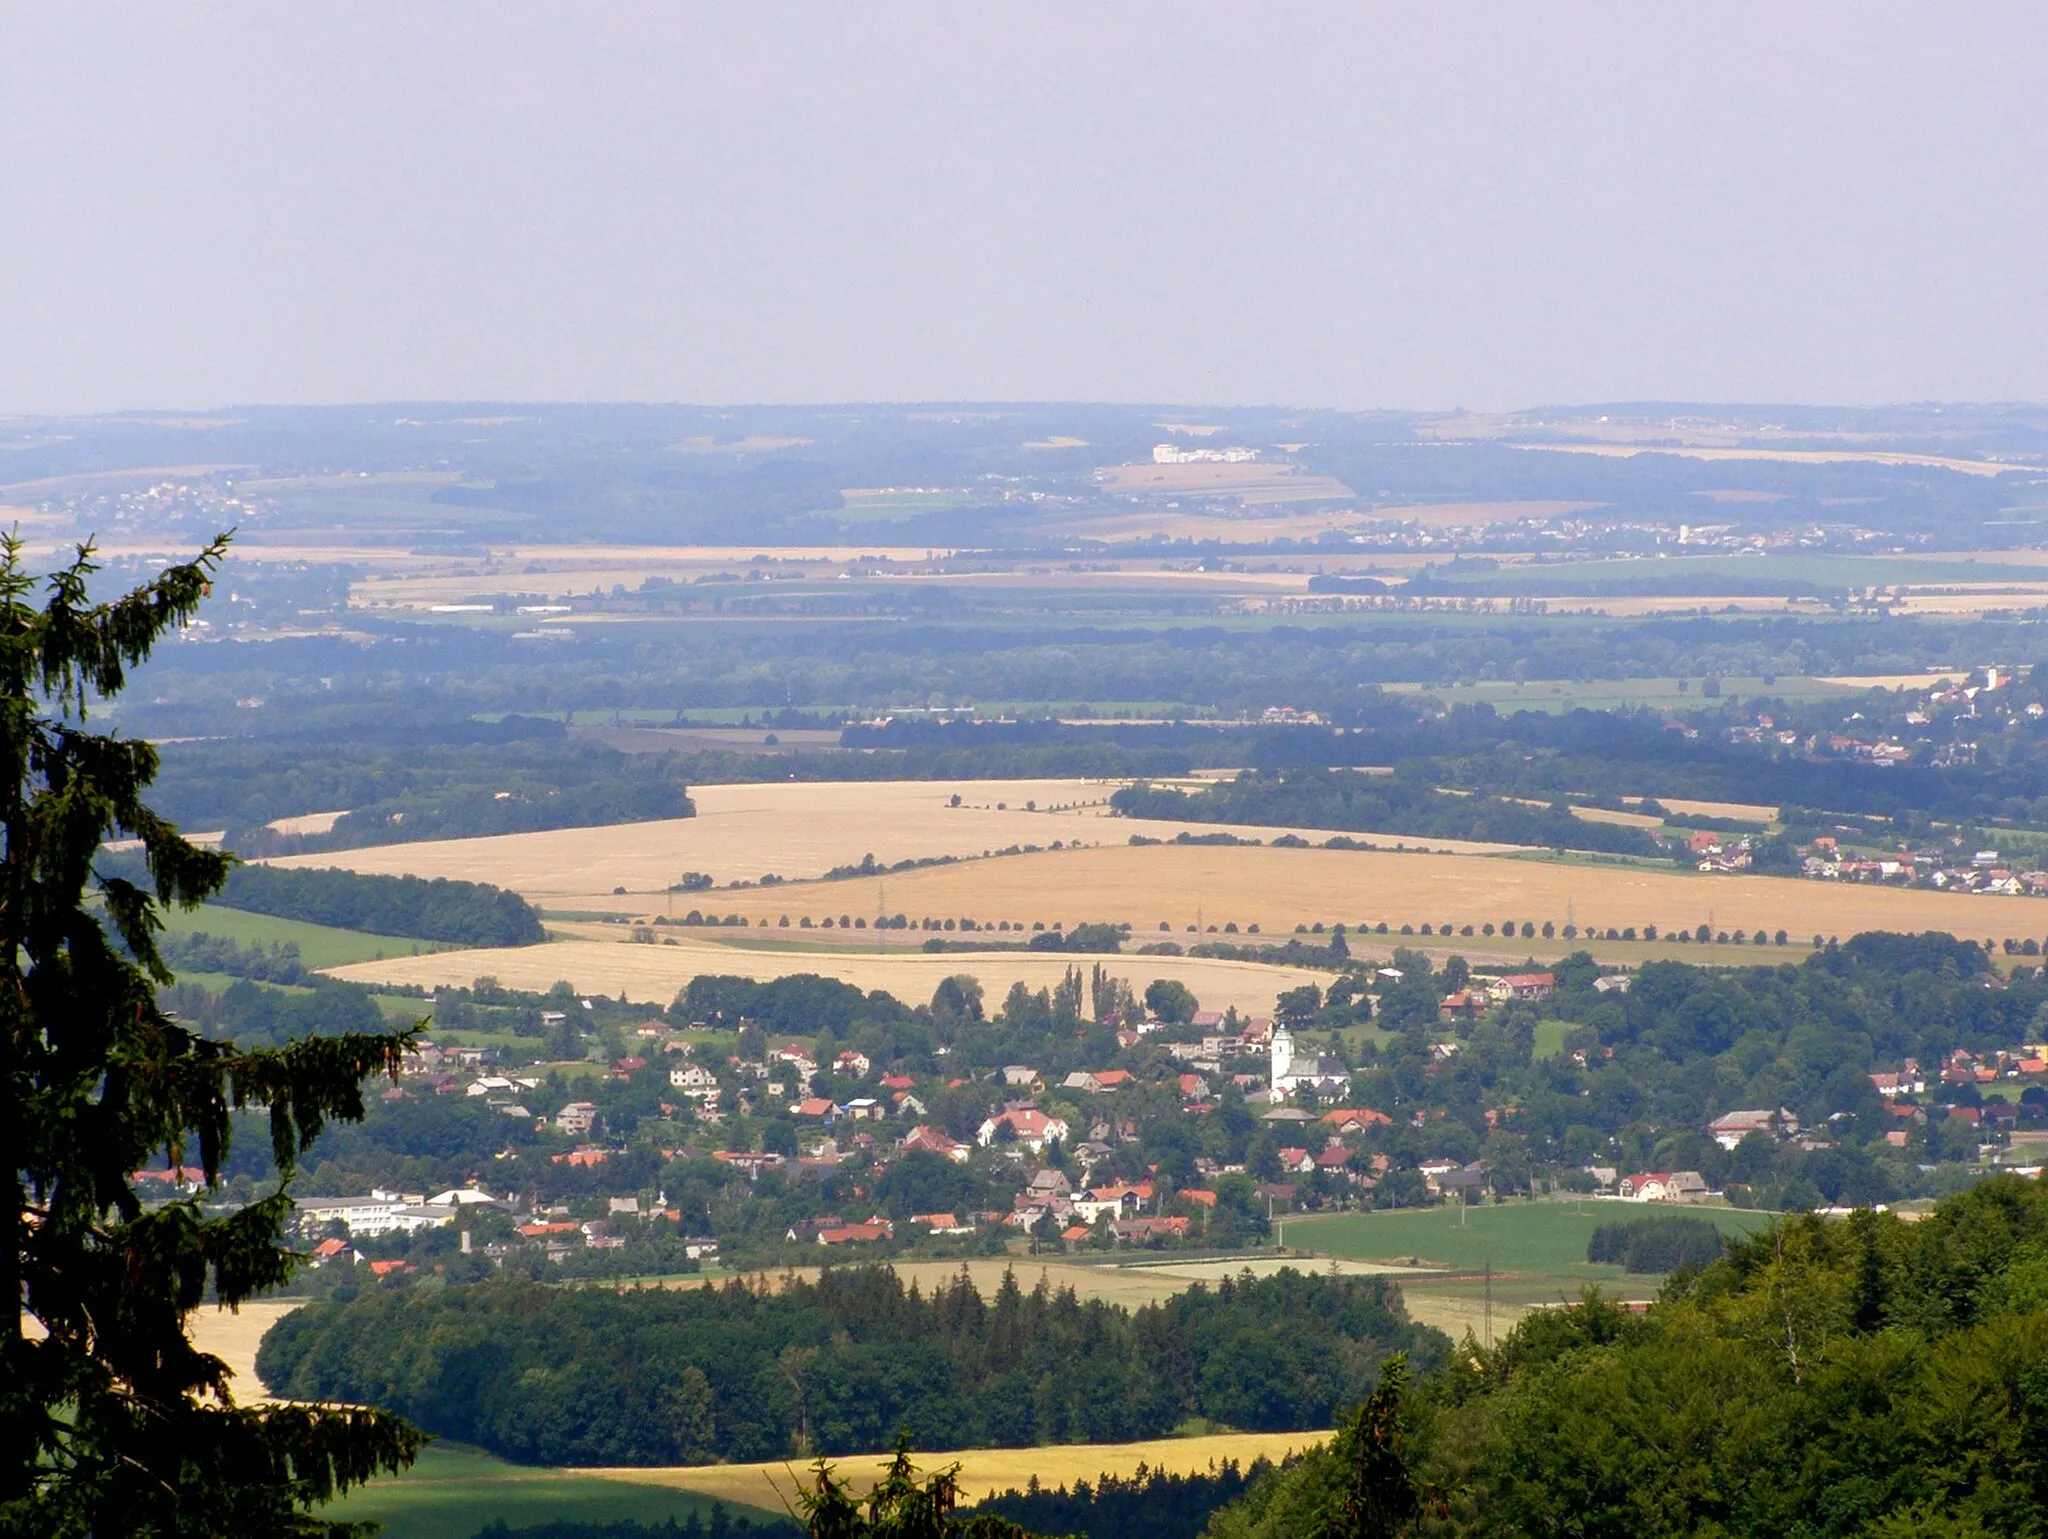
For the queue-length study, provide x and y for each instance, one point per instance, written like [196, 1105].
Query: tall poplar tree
[111, 1421]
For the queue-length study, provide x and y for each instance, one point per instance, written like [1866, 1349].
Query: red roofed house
[1198, 1194]
[1524, 986]
[1357, 1117]
[1028, 1126]
[855, 1234]
[935, 1141]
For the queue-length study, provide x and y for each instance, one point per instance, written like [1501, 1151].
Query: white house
[379, 1213]
[1031, 1127]
[577, 1118]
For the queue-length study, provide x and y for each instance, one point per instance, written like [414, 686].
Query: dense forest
[464, 913]
[1389, 804]
[1827, 1378]
[841, 1365]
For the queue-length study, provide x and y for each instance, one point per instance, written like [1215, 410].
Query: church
[1322, 1076]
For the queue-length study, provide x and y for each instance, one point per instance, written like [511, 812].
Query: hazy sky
[1331, 204]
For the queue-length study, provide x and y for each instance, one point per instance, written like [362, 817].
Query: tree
[899, 1507]
[1381, 1498]
[113, 1422]
[1171, 1001]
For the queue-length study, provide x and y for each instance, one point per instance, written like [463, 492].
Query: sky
[1346, 205]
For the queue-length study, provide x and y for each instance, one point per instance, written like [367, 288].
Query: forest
[463, 913]
[575, 1376]
[1826, 1378]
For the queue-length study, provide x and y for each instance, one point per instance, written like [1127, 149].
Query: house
[1730, 1128]
[626, 1068]
[1021, 1076]
[581, 1158]
[815, 1106]
[855, 1234]
[329, 1251]
[1028, 1126]
[1465, 1005]
[1297, 1162]
[852, 1064]
[1193, 1087]
[1137, 1231]
[695, 1081]
[1201, 1196]
[1347, 1118]
[1047, 1184]
[1905, 1082]
[576, 1119]
[898, 1082]
[935, 1141]
[941, 1223]
[1523, 986]
[864, 1109]
[1663, 1186]
[1612, 983]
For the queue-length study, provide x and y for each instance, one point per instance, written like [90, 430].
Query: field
[795, 831]
[1537, 1252]
[319, 945]
[1277, 889]
[655, 974]
[454, 1491]
[986, 1471]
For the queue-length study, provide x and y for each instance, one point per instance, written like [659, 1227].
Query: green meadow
[453, 1491]
[1530, 1240]
[319, 945]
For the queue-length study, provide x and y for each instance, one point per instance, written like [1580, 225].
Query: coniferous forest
[654, 1376]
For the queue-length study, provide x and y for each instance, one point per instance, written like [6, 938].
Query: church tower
[1283, 1057]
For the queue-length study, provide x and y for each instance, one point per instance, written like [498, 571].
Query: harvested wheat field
[1277, 889]
[1741, 812]
[795, 831]
[983, 1471]
[655, 974]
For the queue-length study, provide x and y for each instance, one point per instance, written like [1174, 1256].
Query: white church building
[1323, 1076]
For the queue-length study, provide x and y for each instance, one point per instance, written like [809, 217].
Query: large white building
[379, 1213]
[1323, 1076]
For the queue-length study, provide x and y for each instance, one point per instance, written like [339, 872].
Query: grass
[1538, 1240]
[319, 945]
[1550, 1037]
[453, 1491]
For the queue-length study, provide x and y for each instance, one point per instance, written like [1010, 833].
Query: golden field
[983, 1471]
[794, 830]
[655, 974]
[1279, 888]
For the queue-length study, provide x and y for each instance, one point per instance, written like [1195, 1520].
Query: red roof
[1199, 1194]
[1357, 1117]
[386, 1268]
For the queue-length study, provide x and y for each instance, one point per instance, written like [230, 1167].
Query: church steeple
[1283, 1058]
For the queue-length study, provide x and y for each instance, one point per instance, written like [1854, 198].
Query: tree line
[1314, 797]
[840, 1365]
[464, 913]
